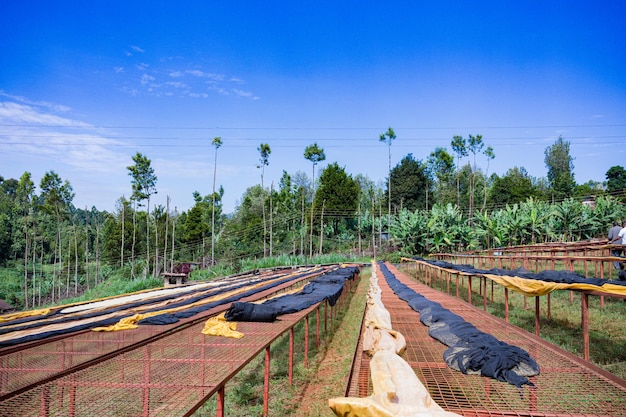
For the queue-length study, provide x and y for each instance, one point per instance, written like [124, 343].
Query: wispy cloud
[33, 130]
[137, 49]
[192, 82]
[15, 114]
[52, 106]
[245, 94]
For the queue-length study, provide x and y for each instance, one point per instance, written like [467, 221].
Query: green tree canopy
[143, 180]
[338, 192]
[615, 179]
[409, 179]
[560, 169]
[513, 187]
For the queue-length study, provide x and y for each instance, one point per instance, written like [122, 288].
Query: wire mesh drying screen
[567, 385]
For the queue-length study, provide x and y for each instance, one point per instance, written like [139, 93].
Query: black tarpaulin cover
[563, 277]
[325, 287]
[469, 349]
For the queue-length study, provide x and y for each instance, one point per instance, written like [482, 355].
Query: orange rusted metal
[153, 370]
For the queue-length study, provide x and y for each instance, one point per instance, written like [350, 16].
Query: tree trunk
[148, 237]
[26, 250]
[156, 246]
[86, 248]
[97, 250]
[69, 267]
[359, 227]
[34, 244]
[373, 231]
[167, 224]
[132, 250]
[322, 227]
[173, 234]
[312, 210]
[41, 273]
[75, 259]
[271, 220]
[302, 226]
[123, 223]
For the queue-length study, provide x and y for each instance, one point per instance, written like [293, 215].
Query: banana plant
[409, 230]
[568, 214]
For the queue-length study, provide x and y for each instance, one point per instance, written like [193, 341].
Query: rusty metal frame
[433, 273]
[158, 370]
[567, 386]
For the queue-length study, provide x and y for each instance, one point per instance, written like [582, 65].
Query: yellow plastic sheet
[533, 287]
[22, 314]
[219, 326]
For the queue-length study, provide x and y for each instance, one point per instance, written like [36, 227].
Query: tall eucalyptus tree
[25, 195]
[441, 166]
[217, 143]
[315, 154]
[488, 152]
[57, 198]
[143, 185]
[475, 144]
[459, 147]
[388, 137]
[264, 152]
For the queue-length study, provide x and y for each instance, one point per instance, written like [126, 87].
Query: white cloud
[209, 75]
[136, 48]
[176, 74]
[245, 94]
[176, 84]
[18, 114]
[146, 79]
[52, 106]
[29, 130]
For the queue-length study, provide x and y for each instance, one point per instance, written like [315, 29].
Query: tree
[339, 193]
[441, 166]
[217, 143]
[264, 151]
[315, 154]
[388, 137]
[459, 147]
[560, 169]
[57, 198]
[144, 185]
[475, 144]
[25, 195]
[514, 187]
[490, 155]
[616, 179]
[409, 179]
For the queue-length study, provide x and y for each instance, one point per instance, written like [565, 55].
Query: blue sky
[86, 85]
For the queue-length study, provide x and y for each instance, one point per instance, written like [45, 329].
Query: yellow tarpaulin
[23, 314]
[219, 326]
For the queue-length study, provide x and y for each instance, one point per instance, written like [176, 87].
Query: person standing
[613, 235]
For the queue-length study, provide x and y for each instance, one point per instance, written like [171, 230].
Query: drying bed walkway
[567, 385]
